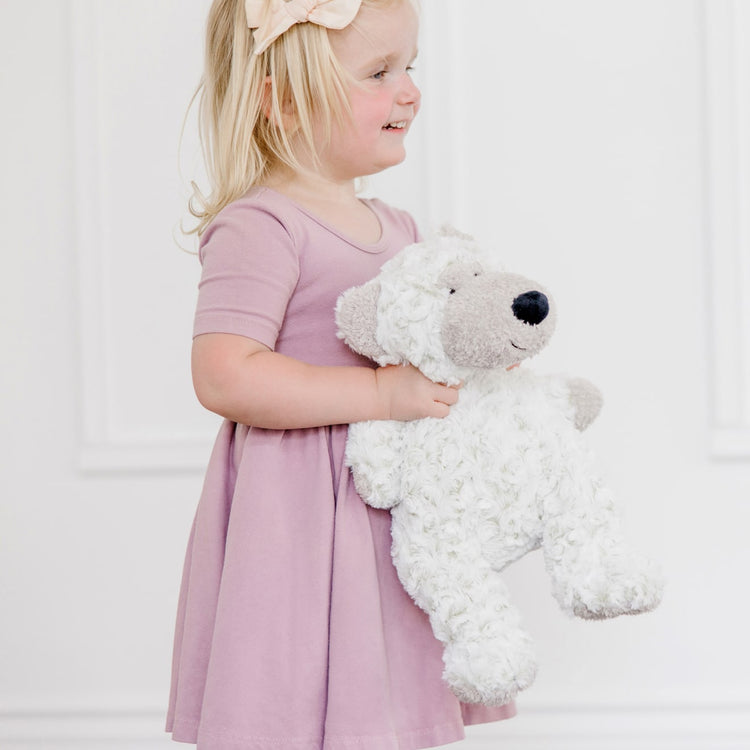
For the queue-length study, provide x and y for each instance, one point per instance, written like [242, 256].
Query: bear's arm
[586, 399]
[374, 453]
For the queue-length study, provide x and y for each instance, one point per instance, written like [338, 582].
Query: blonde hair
[241, 116]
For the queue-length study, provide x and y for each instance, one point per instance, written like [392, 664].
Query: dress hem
[188, 731]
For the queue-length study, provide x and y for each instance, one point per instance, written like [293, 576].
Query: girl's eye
[380, 75]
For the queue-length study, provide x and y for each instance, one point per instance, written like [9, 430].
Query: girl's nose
[409, 92]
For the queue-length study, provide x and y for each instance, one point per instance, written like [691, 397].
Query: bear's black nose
[531, 307]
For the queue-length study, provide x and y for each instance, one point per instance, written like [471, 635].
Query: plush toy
[505, 473]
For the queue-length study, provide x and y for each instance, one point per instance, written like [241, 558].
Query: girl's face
[377, 51]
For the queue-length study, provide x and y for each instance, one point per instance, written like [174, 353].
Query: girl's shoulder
[256, 203]
[260, 214]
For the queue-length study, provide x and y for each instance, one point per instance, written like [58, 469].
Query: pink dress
[293, 630]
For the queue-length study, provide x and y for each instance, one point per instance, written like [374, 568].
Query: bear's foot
[490, 673]
[628, 588]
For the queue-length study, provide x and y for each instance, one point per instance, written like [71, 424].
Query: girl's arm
[244, 381]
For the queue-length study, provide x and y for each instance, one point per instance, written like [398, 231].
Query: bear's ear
[446, 230]
[357, 319]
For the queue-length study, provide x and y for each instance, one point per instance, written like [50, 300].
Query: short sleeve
[250, 271]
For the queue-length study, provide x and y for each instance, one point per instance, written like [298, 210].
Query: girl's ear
[288, 120]
[357, 319]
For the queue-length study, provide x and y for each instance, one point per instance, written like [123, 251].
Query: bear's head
[447, 308]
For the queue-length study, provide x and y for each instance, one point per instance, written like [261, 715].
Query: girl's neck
[335, 203]
[310, 186]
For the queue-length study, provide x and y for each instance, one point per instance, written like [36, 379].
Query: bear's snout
[494, 319]
[531, 307]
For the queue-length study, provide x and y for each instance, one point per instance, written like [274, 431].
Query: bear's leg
[488, 656]
[373, 452]
[594, 573]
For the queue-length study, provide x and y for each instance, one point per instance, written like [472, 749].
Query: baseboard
[677, 726]
[684, 726]
[83, 729]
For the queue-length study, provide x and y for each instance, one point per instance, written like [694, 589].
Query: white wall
[602, 147]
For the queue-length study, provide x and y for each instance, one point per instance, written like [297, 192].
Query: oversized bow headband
[271, 20]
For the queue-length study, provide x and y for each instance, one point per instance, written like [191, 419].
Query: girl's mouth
[400, 125]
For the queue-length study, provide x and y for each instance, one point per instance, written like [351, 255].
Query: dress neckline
[377, 247]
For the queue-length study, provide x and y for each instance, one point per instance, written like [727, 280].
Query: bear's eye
[451, 291]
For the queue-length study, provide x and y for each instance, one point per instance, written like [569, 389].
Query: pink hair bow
[271, 19]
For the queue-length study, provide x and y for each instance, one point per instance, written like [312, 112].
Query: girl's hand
[405, 394]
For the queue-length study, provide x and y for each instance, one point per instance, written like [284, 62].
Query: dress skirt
[293, 629]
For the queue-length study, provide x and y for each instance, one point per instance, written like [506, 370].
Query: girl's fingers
[447, 394]
[441, 410]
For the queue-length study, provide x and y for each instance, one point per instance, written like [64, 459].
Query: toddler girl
[293, 630]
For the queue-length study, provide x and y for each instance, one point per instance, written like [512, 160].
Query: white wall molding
[107, 441]
[663, 726]
[95, 728]
[727, 87]
[105, 453]
[444, 114]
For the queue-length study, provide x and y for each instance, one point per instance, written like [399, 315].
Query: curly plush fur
[505, 473]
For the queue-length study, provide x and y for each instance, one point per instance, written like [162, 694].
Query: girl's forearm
[272, 391]
[246, 382]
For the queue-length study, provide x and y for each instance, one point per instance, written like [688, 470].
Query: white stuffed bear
[505, 473]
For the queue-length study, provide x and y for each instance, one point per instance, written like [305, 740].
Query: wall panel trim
[727, 101]
[103, 446]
